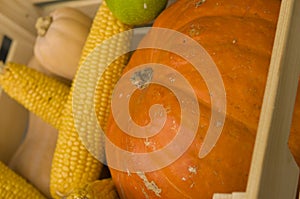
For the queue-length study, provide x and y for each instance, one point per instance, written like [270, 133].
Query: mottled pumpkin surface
[238, 35]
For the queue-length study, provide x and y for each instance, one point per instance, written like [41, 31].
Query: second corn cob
[39, 93]
[73, 165]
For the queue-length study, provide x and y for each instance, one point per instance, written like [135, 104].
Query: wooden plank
[21, 12]
[13, 30]
[43, 1]
[1, 38]
[88, 7]
[234, 195]
[222, 196]
[22, 46]
[274, 173]
[238, 195]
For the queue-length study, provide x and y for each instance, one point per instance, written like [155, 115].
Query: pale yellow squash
[61, 37]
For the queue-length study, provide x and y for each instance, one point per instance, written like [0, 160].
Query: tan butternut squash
[34, 156]
[61, 37]
[13, 123]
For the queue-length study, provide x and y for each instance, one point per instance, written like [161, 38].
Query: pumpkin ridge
[184, 195]
[202, 102]
[229, 117]
[229, 16]
[260, 53]
[203, 31]
[221, 8]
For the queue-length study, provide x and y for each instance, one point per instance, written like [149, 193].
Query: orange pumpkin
[238, 35]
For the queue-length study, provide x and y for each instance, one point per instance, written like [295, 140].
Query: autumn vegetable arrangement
[238, 36]
[73, 167]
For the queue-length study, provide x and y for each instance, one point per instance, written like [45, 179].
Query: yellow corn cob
[73, 166]
[14, 186]
[103, 189]
[42, 95]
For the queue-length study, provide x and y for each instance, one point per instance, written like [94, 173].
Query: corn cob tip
[42, 95]
[99, 189]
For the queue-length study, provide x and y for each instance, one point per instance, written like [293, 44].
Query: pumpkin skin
[61, 37]
[239, 37]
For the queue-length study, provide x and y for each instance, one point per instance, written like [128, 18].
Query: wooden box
[274, 173]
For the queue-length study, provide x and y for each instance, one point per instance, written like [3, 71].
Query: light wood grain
[1, 38]
[238, 195]
[22, 40]
[274, 173]
[23, 13]
[88, 7]
[222, 196]
[234, 195]
[43, 1]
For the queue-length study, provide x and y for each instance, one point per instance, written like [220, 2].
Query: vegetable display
[73, 166]
[237, 35]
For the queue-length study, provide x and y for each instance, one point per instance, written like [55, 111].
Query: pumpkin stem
[43, 24]
[142, 78]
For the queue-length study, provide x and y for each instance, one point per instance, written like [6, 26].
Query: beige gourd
[13, 123]
[61, 37]
[34, 156]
